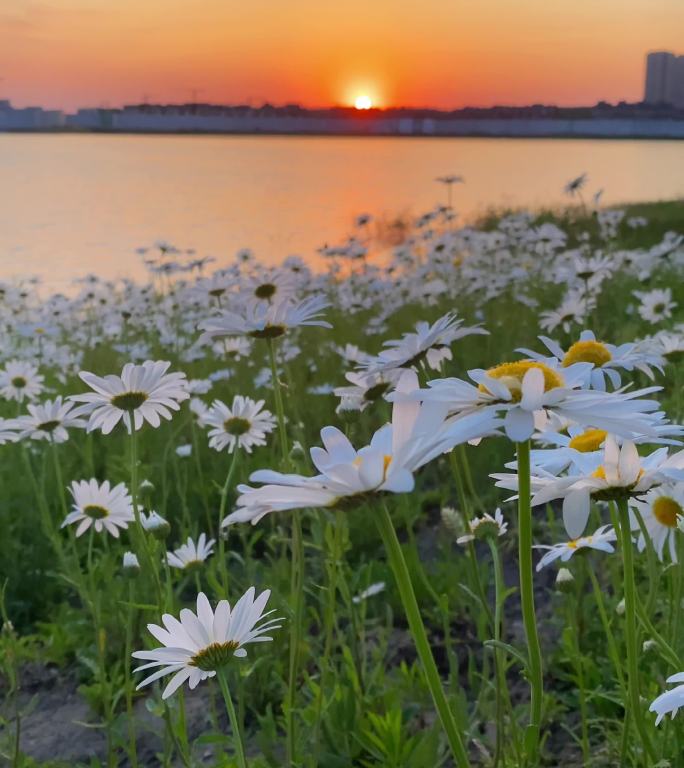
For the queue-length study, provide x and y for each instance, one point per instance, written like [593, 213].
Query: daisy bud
[620, 607]
[649, 645]
[156, 525]
[146, 489]
[131, 566]
[297, 452]
[453, 522]
[348, 410]
[564, 580]
[183, 451]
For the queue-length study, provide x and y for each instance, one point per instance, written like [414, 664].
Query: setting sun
[363, 102]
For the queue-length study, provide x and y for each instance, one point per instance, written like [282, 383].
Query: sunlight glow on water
[73, 204]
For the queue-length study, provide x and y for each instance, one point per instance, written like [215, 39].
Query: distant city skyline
[445, 54]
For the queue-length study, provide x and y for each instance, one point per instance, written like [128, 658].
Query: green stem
[630, 627]
[527, 603]
[278, 395]
[132, 747]
[237, 733]
[499, 660]
[222, 513]
[408, 597]
[335, 555]
[143, 546]
[297, 598]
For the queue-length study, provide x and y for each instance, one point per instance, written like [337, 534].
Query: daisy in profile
[618, 473]
[606, 358]
[191, 555]
[265, 320]
[243, 424]
[104, 507]
[661, 510]
[143, 393]
[523, 390]
[669, 703]
[428, 343]
[20, 380]
[48, 421]
[7, 431]
[602, 539]
[418, 434]
[572, 311]
[484, 527]
[200, 644]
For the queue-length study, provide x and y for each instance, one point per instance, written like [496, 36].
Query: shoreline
[350, 135]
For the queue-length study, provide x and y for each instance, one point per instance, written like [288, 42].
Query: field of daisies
[421, 506]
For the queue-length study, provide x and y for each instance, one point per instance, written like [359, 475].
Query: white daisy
[201, 643]
[48, 421]
[20, 380]
[604, 357]
[243, 424]
[484, 527]
[656, 305]
[418, 433]
[620, 472]
[103, 507]
[601, 539]
[661, 510]
[428, 343]
[263, 320]
[669, 703]
[191, 555]
[143, 393]
[525, 389]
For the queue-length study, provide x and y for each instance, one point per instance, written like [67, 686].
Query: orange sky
[443, 53]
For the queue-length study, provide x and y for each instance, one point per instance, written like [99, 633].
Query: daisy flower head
[526, 389]
[48, 421]
[572, 311]
[143, 393]
[102, 506]
[191, 555]
[264, 320]
[243, 424]
[20, 380]
[661, 511]
[487, 526]
[419, 432]
[429, 343]
[198, 644]
[656, 305]
[602, 539]
[155, 524]
[668, 703]
[606, 358]
[619, 473]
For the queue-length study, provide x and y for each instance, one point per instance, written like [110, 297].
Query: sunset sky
[443, 53]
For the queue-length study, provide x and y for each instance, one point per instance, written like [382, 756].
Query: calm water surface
[71, 204]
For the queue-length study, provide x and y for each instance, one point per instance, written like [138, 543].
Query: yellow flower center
[588, 441]
[587, 352]
[667, 511]
[214, 656]
[512, 374]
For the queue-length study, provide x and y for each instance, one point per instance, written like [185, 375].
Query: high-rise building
[664, 79]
